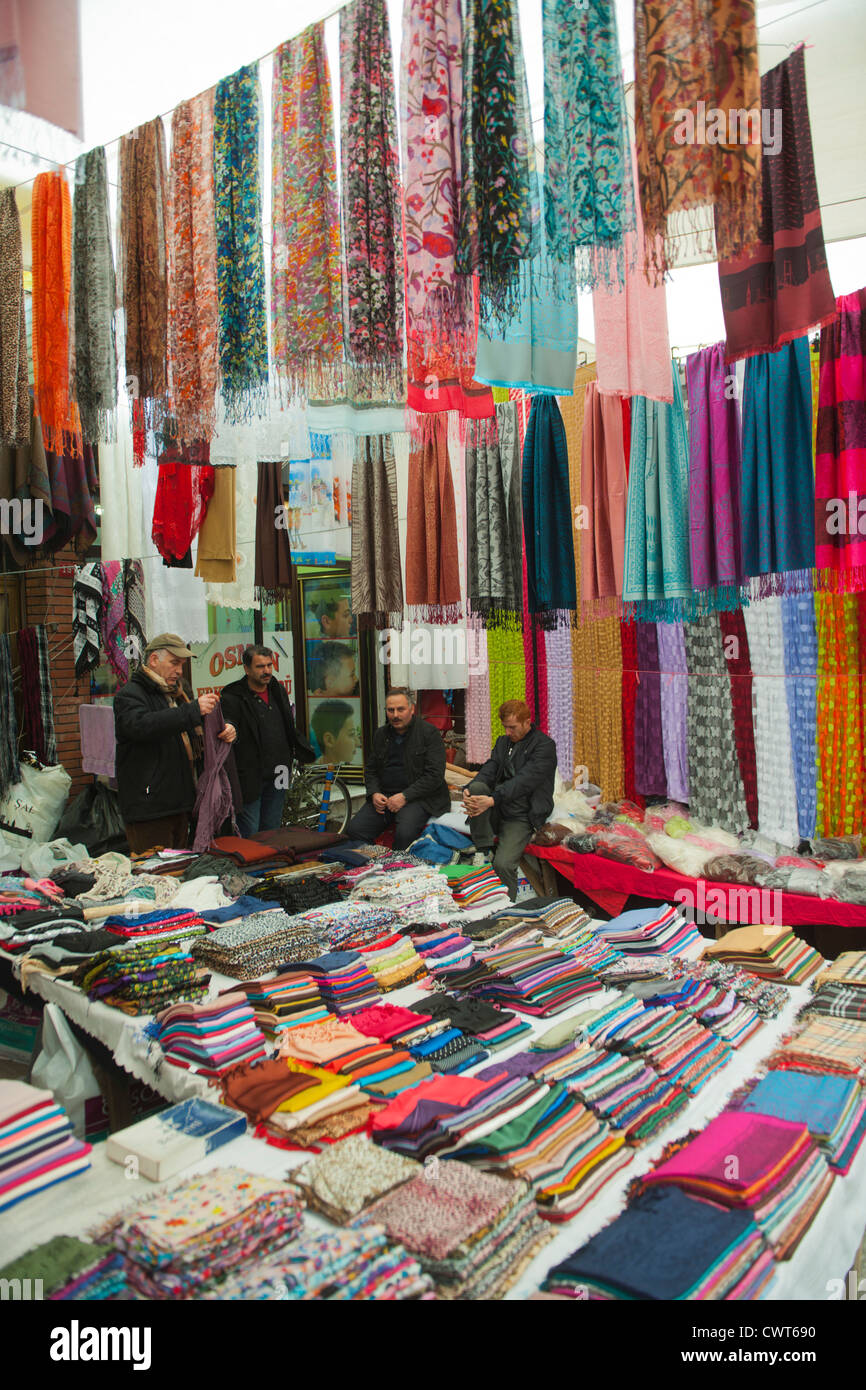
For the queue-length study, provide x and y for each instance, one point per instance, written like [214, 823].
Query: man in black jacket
[156, 726]
[512, 794]
[267, 741]
[405, 776]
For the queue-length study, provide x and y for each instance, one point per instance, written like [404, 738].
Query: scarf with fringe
[377, 584]
[372, 221]
[36, 693]
[51, 234]
[274, 570]
[801, 662]
[588, 191]
[738, 658]
[547, 521]
[192, 283]
[494, 540]
[689, 52]
[656, 572]
[839, 733]
[498, 212]
[600, 517]
[840, 448]
[134, 604]
[650, 776]
[14, 381]
[674, 692]
[86, 617]
[715, 464]
[438, 301]
[94, 361]
[243, 324]
[306, 276]
[143, 267]
[10, 770]
[432, 564]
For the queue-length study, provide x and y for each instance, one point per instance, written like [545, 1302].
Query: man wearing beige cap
[157, 727]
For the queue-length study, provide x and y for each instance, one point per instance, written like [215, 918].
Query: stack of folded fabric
[344, 980]
[144, 978]
[472, 1232]
[166, 924]
[493, 1028]
[674, 1044]
[476, 888]
[766, 998]
[840, 990]
[348, 921]
[771, 1168]
[648, 931]
[261, 942]
[211, 1037]
[392, 1023]
[625, 1092]
[826, 1045]
[560, 917]
[771, 953]
[669, 1246]
[346, 1178]
[627, 970]
[717, 1008]
[294, 1104]
[301, 894]
[535, 980]
[289, 999]
[450, 1051]
[250, 855]
[182, 1243]
[67, 1268]
[332, 1266]
[35, 927]
[500, 931]
[37, 1146]
[66, 954]
[443, 948]
[403, 889]
[339, 1048]
[832, 1107]
[414, 1122]
[391, 959]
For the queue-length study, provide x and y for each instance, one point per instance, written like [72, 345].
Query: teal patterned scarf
[243, 326]
[588, 192]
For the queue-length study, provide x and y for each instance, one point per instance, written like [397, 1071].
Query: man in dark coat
[405, 776]
[512, 794]
[267, 741]
[157, 729]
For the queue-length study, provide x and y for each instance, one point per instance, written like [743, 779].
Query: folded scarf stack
[261, 942]
[163, 925]
[443, 947]
[209, 1038]
[450, 1051]
[625, 1092]
[143, 978]
[37, 1146]
[391, 959]
[344, 980]
[338, 1047]
[652, 930]
[825, 1045]
[342, 1181]
[559, 917]
[349, 921]
[832, 1107]
[534, 980]
[674, 1044]
[286, 1001]
[473, 888]
[717, 1008]
[771, 953]
[72, 1269]
[492, 1027]
[363, 1266]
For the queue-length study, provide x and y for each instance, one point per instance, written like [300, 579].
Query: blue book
[164, 1144]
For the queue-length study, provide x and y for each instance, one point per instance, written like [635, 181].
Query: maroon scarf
[738, 657]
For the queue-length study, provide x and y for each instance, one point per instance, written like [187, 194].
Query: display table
[610, 884]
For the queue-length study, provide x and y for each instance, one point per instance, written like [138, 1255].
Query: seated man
[405, 776]
[512, 794]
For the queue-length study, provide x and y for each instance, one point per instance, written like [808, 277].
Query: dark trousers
[513, 837]
[368, 824]
[169, 832]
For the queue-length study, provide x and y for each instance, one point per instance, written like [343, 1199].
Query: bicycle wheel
[303, 803]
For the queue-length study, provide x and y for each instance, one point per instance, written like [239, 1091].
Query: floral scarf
[432, 563]
[114, 619]
[51, 232]
[306, 278]
[142, 265]
[243, 326]
[493, 541]
[372, 226]
[498, 217]
[14, 392]
[687, 52]
[192, 283]
[588, 192]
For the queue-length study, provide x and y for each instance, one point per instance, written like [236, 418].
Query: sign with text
[220, 661]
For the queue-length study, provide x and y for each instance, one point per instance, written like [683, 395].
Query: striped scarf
[657, 575]
[36, 693]
[94, 298]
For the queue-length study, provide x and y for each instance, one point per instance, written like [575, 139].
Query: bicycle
[304, 802]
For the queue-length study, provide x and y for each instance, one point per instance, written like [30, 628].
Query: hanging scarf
[10, 771]
[439, 307]
[213, 794]
[95, 298]
[839, 732]
[840, 448]
[778, 286]
[649, 761]
[716, 791]
[560, 697]
[86, 617]
[777, 796]
[506, 673]
[478, 740]
[657, 578]
[801, 663]
[14, 392]
[192, 279]
[134, 607]
[372, 226]
[73, 487]
[51, 235]
[600, 520]
[184, 487]
[715, 463]
[498, 214]
[219, 552]
[689, 52]
[628, 643]
[377, 585]
[274, 570]
[778, 491]
[36, 693]
[306, 279]
[432, 564]
[588, 193]
[534, 659]
[143, 267]
[243, 327]
[114, 619]
[493, 529]
[547, 518]
[735, 643]
[674, 692]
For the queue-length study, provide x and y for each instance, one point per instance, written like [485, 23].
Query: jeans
[513, 837]
[265, 813]
[408, 822]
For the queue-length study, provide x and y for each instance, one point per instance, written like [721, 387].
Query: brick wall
[48, 600]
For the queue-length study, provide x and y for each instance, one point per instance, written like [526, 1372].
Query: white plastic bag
[63, 1067]
[41, 860]
[36, 802]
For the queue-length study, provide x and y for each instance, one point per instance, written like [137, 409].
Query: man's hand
[229, 734]
[208, 702]
[380, 803]
[396, 802]
[477, 805]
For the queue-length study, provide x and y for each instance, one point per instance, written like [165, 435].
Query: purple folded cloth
[96, 729]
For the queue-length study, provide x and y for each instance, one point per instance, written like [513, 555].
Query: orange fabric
[51, 241]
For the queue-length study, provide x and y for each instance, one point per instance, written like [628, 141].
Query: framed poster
[331, 661]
